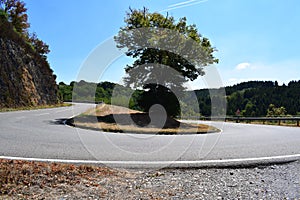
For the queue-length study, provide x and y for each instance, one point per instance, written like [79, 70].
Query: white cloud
[242, 66]
[283, 72]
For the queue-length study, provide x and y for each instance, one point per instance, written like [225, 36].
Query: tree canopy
[16, 14]
[167, 53]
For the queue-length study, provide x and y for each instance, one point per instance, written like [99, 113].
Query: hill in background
[252, 98]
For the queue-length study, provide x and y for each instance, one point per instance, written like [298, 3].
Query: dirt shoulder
[36, 180]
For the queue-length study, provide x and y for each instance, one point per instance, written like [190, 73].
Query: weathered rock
[25, 76]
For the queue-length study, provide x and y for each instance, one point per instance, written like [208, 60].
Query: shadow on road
[61, 121]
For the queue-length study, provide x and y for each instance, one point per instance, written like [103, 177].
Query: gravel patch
[34, 180]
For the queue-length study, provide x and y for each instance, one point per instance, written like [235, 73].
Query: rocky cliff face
[25, 77]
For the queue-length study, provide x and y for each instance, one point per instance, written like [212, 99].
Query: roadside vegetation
[275, 123]
[35, 107]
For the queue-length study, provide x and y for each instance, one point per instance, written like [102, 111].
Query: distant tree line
[98, 92]
[254, 98]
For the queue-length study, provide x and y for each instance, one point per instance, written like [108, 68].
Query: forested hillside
[254, 98]
[251, 98]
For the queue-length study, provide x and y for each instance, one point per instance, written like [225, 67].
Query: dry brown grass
[35, 107]
[25, 179]
[290, 124]
[274, 123]
[131, 121]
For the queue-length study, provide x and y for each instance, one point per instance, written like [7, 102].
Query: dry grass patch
[33, 180]
[35, 107]
[112, 118]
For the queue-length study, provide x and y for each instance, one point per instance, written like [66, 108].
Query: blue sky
[256, 39]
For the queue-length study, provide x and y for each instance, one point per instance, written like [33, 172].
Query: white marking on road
[64, 110]
[22, 117]
[165, 163]
[42, 114]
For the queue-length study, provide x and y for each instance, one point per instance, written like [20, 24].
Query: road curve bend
[38, 135]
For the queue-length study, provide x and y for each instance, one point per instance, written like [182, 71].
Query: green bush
[3, 14]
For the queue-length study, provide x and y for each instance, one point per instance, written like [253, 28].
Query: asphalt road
[36, 134]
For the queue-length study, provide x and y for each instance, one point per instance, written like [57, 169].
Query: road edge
[228, 163]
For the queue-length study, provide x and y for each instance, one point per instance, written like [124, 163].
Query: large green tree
[158, 43]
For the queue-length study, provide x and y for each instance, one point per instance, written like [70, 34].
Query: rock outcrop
[25, 76]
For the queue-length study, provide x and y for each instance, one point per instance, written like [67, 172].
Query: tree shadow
[62, 121]
[135, 119]
[136, 123]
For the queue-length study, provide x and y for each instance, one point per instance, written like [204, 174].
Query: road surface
[38, 135]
